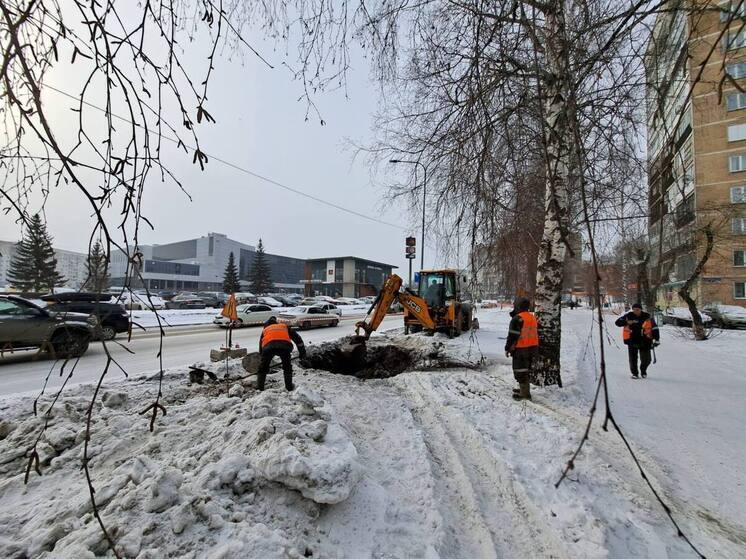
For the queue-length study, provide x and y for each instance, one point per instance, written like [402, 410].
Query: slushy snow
[430, 463]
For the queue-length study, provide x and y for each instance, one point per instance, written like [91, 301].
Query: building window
[736, 132]
[737, 70]
[739, 225]
[732, 10]
[733, 41]
[739, 257]
[737, 163]
[735, 101]
[738, 194]
[739, 290]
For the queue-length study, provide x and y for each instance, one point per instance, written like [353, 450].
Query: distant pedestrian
[640, 334]
[277, 340]
[523, 346]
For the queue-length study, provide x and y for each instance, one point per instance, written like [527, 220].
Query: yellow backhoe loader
[436, 308]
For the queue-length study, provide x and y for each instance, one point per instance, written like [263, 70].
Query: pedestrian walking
[277, 340]
[523, 346]
[640, 334]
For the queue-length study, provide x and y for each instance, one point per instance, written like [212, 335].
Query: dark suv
[23, 325]
[112, 317]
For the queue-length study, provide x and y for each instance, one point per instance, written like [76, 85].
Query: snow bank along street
[437, 461]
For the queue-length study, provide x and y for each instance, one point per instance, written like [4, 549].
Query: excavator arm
[388, 294]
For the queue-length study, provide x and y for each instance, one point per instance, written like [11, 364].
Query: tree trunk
[698, 326]
[557, 136]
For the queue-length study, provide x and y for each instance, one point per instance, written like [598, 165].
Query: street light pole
[424, 199]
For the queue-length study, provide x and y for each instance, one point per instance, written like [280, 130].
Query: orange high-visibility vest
[276, 333]
[530, 332]
[647, 329]
[626, 333]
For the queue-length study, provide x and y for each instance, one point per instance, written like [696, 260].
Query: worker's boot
[524, 392]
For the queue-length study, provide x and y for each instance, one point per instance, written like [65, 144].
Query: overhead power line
[239, 167]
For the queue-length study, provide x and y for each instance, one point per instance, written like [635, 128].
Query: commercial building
[697, 152]
[71, 264]
[345, 276]
[199, 265]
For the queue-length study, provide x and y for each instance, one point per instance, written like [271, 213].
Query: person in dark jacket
[277, 340]
[640, 334]
[523, 346]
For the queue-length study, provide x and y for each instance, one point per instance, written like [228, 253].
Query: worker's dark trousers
[523, 360]
[644, 358]
[287, 367]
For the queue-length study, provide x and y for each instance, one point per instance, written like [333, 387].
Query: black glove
[656, 343]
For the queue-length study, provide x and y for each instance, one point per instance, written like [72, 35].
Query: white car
[271, 301]
[323, 298]
[134, 301]
[329, 307]
[248, 315]
[680, 316]
[307, 317]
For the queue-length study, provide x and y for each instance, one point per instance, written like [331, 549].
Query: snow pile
[223, 475]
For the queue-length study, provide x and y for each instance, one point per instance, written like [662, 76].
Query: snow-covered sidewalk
[430, 463]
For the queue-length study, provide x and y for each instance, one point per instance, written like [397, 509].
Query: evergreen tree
[230, 278]
[261, 275]
[34, 266]
[97, 268]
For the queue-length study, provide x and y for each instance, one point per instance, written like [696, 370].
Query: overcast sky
[261, 126]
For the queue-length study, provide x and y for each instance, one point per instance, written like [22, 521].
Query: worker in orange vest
[639, 333]
[523, 346]
[277, 340]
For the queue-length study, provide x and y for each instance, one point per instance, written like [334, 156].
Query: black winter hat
[637, 306]
[522, 304]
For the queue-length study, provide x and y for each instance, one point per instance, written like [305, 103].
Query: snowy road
[182, 346]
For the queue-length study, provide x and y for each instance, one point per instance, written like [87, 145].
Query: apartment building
[695, 64]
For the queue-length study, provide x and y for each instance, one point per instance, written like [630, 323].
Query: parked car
[329, 307]
[247, 315]
[308, 301]
[24, 325]
[139, 301]
[680, 316]
[368, 299]
[727, 316]
[112, 318]
[213, 298]
[323, 298]
[244, 297]
[185, 302]
[307, 317]
[167, 295]
[267, 300]
[286, 301]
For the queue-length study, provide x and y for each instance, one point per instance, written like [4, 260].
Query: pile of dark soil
[376, 358]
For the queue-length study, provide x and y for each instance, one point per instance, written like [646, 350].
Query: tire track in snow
[485, 513]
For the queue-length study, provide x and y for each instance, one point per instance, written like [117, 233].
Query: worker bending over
[523, 346]
[277, 340]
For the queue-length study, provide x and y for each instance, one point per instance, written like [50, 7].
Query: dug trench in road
[181, 348]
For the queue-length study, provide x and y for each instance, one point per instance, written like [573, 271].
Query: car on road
[329, 307]
[248, 315]
[185, 302]
[727, 316]
[24, 325]
[286, 301]
[307, 317]
[112, 318]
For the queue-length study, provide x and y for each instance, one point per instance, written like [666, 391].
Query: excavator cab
[437, 287]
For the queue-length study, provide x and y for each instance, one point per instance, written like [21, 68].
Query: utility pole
[424, 199]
